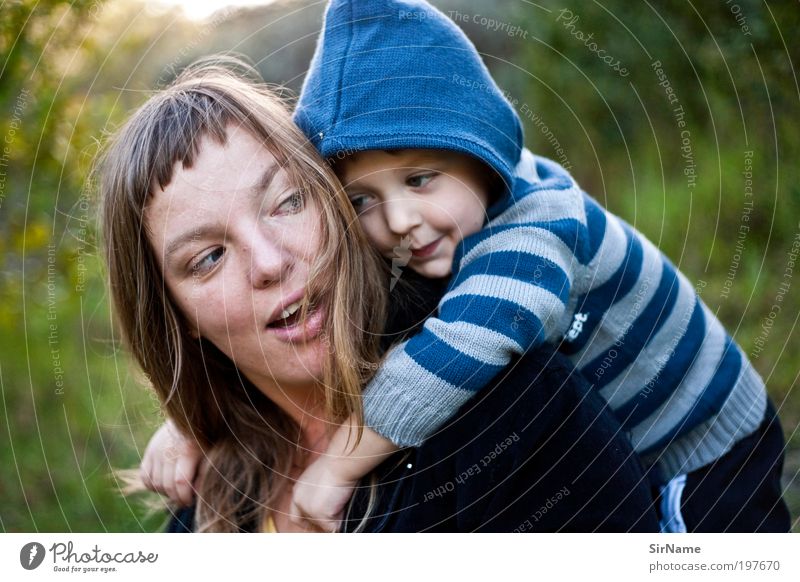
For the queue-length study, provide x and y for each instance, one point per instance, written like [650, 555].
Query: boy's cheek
[376, 236]
[433, 270]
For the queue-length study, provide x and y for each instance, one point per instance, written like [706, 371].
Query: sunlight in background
[200, 9]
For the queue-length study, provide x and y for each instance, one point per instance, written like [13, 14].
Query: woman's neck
[314, 434]
[306, 406]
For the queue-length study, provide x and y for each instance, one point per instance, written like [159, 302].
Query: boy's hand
[323, 490]
[319, 496]
[170, 464]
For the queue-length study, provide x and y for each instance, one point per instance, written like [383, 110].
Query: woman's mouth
[288, 316]
[427, 250]
[290, 328]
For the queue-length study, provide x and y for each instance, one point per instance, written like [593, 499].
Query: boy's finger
[185, 471]
[168, 479]
[144, 472]
[157, 477]
[299, 517]
[324, 523]
[334, 524]
[339, 522]
[296, 515]
[327, 525]
[151, 477]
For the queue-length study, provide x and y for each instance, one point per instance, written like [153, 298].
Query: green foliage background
[73, 408]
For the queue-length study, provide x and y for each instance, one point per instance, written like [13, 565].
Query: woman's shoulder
[506, 423]
[538, 436]
[539, 378]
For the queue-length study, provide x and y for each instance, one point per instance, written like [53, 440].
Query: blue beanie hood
[394, 74]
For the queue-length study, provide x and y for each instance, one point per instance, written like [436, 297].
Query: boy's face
[417, 205]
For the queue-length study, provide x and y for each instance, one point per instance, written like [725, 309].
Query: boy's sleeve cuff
[407, 415]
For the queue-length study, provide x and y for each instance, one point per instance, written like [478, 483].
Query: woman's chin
[276, 363]
[313, 358]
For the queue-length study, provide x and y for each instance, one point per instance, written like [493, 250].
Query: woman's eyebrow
[265, 180]
[188, 236]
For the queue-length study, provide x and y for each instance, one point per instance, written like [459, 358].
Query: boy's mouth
[427, 250]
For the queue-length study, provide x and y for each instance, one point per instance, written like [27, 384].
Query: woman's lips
[427, 250]
[301, 331]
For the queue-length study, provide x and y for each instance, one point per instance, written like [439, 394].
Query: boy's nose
[402, 215]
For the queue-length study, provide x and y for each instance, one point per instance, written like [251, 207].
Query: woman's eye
[361, 202]
[208, 261]
[293, 203]
[420, 180]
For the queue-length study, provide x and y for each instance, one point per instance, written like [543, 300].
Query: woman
[248, 295]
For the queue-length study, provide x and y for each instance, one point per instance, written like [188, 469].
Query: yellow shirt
[269, 525]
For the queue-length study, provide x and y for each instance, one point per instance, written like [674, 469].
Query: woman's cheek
[215, 311]
[307, 232]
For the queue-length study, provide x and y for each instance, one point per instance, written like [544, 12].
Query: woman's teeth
[291, 310]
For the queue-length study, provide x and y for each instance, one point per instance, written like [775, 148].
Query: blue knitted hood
[391, 74]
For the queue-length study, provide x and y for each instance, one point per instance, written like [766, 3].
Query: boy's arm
[322, 491]
[352, 463]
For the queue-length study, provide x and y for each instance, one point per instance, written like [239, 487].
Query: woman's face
[235, 241]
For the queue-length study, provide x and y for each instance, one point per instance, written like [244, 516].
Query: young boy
[431, 155]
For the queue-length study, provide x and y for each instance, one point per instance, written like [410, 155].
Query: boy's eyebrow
[422, 156]
[262, 184]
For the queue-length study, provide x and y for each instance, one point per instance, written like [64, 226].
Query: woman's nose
[402, 214]
[269, 260]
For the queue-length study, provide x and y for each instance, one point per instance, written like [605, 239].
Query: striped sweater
[555, 267]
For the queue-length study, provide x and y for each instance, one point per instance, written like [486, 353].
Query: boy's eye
[293, 203]
[207, 261]
[361, 202]
[420, 180]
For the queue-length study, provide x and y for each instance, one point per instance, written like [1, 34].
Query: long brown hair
[246, 438]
